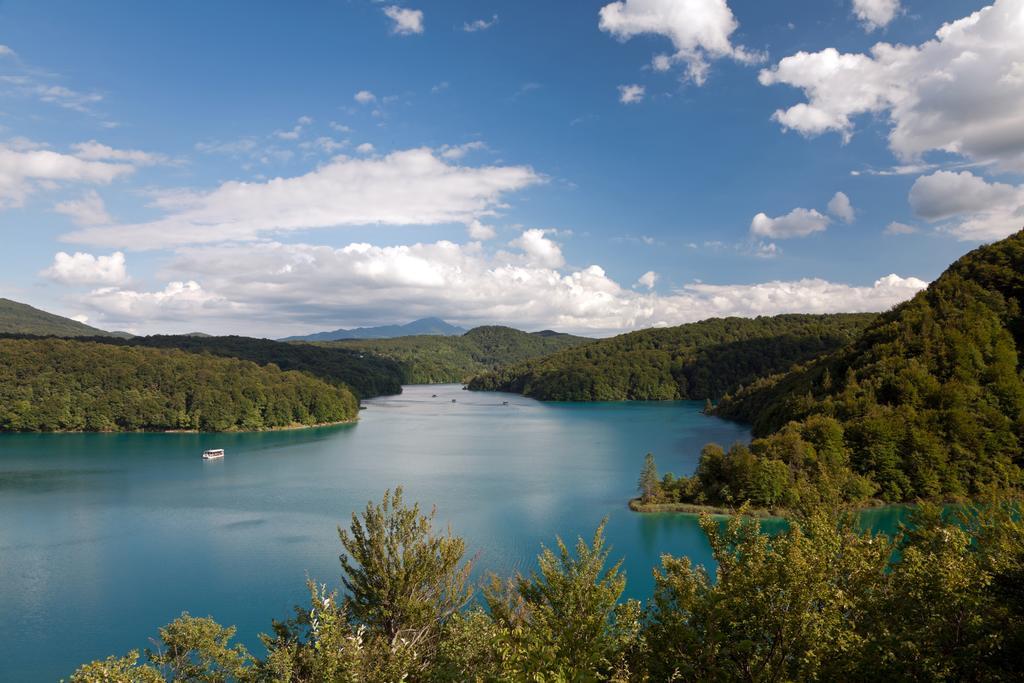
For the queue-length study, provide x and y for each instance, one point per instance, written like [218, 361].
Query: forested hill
[927, 403]
[693, 361]
[19, 318]
[64, 385]
[367, 375]
[434, 359]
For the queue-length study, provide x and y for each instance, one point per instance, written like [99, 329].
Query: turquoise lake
[106, 537]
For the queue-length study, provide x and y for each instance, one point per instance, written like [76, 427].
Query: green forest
[821, 600]
[19, 318]
[434, 359]
[927, 403]
[366, 374]
[64, 385]
[694, 361]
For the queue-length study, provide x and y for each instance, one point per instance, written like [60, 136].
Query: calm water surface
[105, 537]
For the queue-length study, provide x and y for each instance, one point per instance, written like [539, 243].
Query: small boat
[213, 454]
[453, 400]
[504, 403]
[434, 396]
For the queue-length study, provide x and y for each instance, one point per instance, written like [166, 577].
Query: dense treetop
[366, 374]
[18, 318]
[65, 385]
[693, 361]
[429, 359]
[927, 403]
[821, 600]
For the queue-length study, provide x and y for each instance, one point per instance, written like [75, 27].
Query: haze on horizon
[586, 167]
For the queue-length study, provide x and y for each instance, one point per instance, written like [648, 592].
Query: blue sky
[275, 168]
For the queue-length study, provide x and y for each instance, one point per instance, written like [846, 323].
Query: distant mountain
[19, 318]
[424, 326]
[430, 359]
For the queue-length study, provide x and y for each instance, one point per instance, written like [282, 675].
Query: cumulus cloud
[875, 14]
[648, 279]
[972, 208]
[479, 231]
[479, 24]
[281, 288]
[407, 21]
[365, 148]
[840, 207]
[85, 269]
[631, 94]
[797, 223]
[410, 187]
[7, 52]
[87, 210]
[700, 31]
[364, 97]
[961, 92]
[539, 250]
[26, 168]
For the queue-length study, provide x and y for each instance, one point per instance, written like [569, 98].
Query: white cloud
[410, 187]
[538, 249]
[365, 148]
[630, 94]
[479, 24]
[459, 151]
[897, 228]
[876, 14]
[296, 130]
[958, 93]
[278, 288]
[797, 223]
[364, 97]
[648, 279]
[974, 208]
[97, 151]
[407, 21]
[85, 269]
[88, 210]
[479, 231]
[7, 52]
[840, 207]
[25, 169]
[699, 30]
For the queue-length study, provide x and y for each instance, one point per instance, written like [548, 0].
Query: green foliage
[403, 581]
[929, 400]
[648, 483]
[198, 649]
[18, 318]
[694, 361]
[821, 600]
[117, 670]
[64, 385]
[365, 374]
[432, 359]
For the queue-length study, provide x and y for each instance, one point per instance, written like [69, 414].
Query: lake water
[105, 537]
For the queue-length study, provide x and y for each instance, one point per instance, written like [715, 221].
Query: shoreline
[292, 427]
[694, 510]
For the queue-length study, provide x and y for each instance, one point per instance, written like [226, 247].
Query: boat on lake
[213, 454]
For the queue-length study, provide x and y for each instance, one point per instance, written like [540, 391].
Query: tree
[648, 484]
[403, 581]
[198, 649]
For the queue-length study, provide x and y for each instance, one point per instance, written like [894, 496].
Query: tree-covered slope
[423, 326]
[697, 360]
[928, 402]
[19, 318]
[434, 359]
[367, 375]
[61, 385]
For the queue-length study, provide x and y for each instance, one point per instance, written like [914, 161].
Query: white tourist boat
[213, 454]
